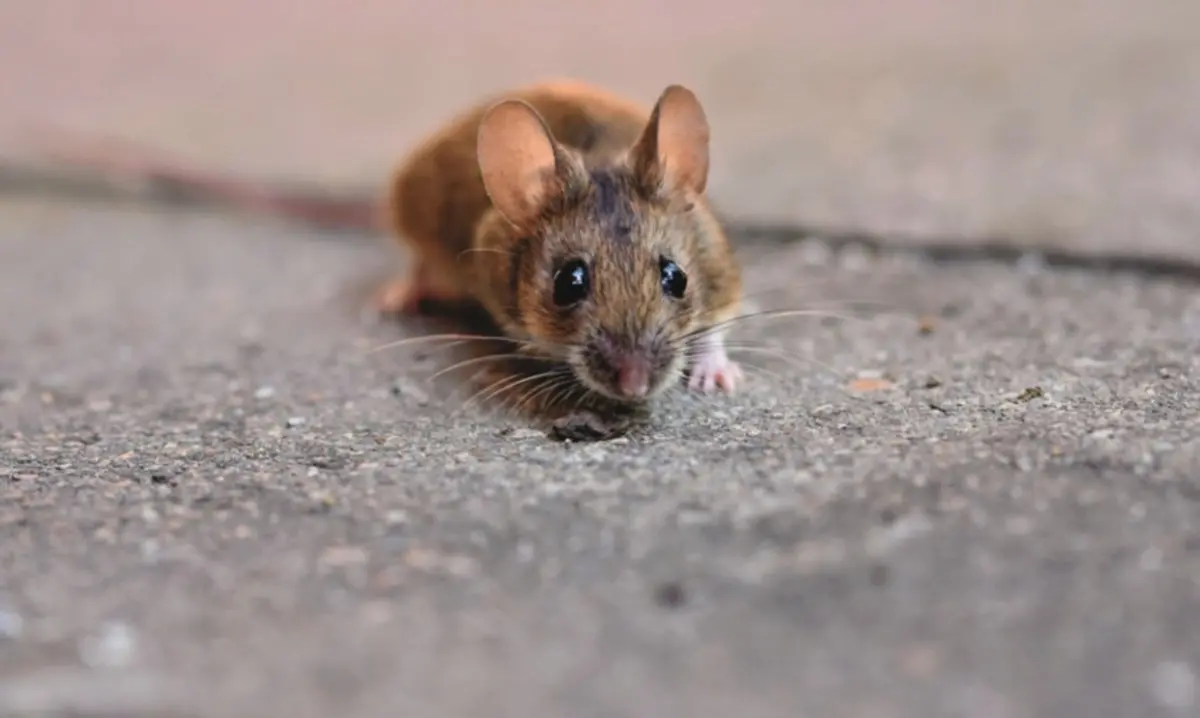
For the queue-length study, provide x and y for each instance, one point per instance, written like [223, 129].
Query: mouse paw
[714, 370]
[397, 297]
[411, 296]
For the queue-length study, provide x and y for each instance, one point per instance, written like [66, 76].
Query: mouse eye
[571, 283]
[674, 281]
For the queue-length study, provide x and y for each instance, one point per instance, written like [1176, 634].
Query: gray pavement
[218, 502]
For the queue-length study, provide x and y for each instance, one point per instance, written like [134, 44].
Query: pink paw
[712, 371]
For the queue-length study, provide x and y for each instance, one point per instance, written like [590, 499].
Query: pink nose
[633, 376]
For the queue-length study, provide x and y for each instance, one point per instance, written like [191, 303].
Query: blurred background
[1060, 121]
[211, 483]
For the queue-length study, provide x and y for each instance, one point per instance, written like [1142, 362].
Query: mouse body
[578, 220]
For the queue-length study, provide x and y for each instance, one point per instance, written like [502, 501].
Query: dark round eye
[674, 281]
[571, 283]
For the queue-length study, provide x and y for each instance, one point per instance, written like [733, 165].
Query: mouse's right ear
[518, 159]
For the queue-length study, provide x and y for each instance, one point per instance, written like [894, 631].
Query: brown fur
[494, 201]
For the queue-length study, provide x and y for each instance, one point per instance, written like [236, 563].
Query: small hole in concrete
[670, 594]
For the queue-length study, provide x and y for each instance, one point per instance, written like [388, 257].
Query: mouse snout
[633, 375]
[625, 370]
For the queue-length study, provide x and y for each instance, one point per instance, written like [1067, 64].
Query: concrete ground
[974, 492]
[220, 502]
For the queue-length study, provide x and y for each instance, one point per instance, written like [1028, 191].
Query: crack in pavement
[346, 206]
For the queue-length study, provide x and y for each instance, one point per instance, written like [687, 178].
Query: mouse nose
[633, 375]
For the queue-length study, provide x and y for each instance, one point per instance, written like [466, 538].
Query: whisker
[457, 338]
[803, 284]
[549, 348]
[519, 381]
[767, 314]
[859, 304]
[696, 350]
[557, 384]
[759, 370]
[497, 384]
[770, 373]
[478, 360]
[460, 407]
[560, 391]
[796, 362]
[693, 352]
[554, 384]
[583, 396]
[493, 250]
[792, 360]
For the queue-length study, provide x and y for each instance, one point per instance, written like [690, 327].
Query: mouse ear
[672, 152]
[518, 159]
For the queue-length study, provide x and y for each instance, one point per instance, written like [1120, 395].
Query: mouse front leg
[417, 293]
[711, 367]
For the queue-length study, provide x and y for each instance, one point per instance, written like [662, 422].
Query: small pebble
[1151, 559]
[524, 433]
[1173, 684]
[525, 552]
[921, 661]
[323, 498]
[855, 256]
[11, 625]
[438, 562]
[409, 390]
[815, 252]
[338, 556]
[1032, 263]
[111, 647]
[868, 385]
[670, 594]
[264, 392]
[295, 421]
[1030, 393]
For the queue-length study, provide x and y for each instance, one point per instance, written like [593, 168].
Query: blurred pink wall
[329, 87]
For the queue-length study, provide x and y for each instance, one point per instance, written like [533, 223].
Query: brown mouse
[579, 221]
[575, 218]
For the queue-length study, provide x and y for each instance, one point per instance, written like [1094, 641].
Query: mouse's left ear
[672, 153]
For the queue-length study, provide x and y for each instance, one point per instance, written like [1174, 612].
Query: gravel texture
[218, 502]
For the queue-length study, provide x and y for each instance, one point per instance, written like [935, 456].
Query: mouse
[574, 218]
[579, 221]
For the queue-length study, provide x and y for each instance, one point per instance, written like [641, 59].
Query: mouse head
[607, 262]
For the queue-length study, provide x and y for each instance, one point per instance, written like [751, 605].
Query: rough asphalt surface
[218, 502]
